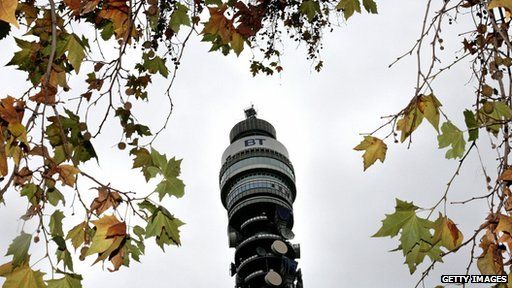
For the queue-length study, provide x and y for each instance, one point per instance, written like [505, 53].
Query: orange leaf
[45, 96]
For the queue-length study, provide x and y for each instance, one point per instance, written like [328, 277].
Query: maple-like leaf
[446, 233]
[117, 11]
[19, 248]
[24, 277]
[310, 8]
[45, 96]
[418, 253]
[67, 174]
[429, 107]
[374, 149]
[8, 11]
[237, 43]
[103, 238]
[349, 7]
[68, 281]
[105, 200]
[452, 136]
[179, 17]
[504, 224]
[413, 229]
[78, 234]
[164, 227]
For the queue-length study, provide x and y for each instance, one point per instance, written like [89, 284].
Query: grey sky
[318, 118]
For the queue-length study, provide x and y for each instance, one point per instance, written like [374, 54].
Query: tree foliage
[486, 48]
[48, 132]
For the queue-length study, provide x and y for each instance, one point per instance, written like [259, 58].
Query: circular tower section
[257, 184]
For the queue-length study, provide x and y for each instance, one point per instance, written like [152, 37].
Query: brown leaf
[73, 5]
[11, 110]
[45, 96]
[117, 259]
[115, 230]
[491, 261]
[105, 200]
[31, 212]
[22, 176]
[4, 169]
[67, 174]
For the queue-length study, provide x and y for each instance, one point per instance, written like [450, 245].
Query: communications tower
[257, 184]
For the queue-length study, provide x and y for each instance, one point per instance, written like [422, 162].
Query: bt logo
[252, 142]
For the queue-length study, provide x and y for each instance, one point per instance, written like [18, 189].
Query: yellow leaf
[374, 149]
[18, 131]
[8, 11]
[237, 43]
[101, 242]
[77, 234]
[491, 263]
[507, 4]
[67, 174]
[24, 277]
[447, 233]
[3, 155]
[5, 269]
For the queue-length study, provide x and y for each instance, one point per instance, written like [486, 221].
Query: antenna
[250, 112]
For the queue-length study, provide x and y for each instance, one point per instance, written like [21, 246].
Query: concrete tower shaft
[257, 184]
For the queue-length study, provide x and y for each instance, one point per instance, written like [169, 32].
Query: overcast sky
[318, 117]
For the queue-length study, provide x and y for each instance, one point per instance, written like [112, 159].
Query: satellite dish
[287, 233]
[279, 247]
[273, 278]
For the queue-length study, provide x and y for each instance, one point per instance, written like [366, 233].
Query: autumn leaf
[237, 43]
[452, 136]
[429, 107]
[24, 277]
[446, 233]
[504, 224]
[105, 200]
[45, 96]
[11, 110]
[101, 240]
[19, 248]
[117, 11]
[76, 51]
[491, 261]
[67, 174]
[8, 11]
[374, 149]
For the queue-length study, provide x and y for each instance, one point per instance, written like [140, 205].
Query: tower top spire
[250, 112]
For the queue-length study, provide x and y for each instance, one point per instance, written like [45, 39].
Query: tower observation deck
[257, 184]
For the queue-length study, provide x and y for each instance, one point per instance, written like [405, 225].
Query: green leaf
[470, 119]
[418, 253]
[24, 277]
[29, 190]
[452, 136]
[142, 158]
[69, 281]
[502, 110]
[392, 224]
[165, 228]
[172, 168]
[158, 159]
[19, 248]
[108, 31]
[155, 65]
[310, 8]
[370, 6]
[349, 7]
[56, 223]
[65, 256]
[54, 196]
[179, 17]
[172, 186]
[76, 52]
[77, 234]
[237, 43]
